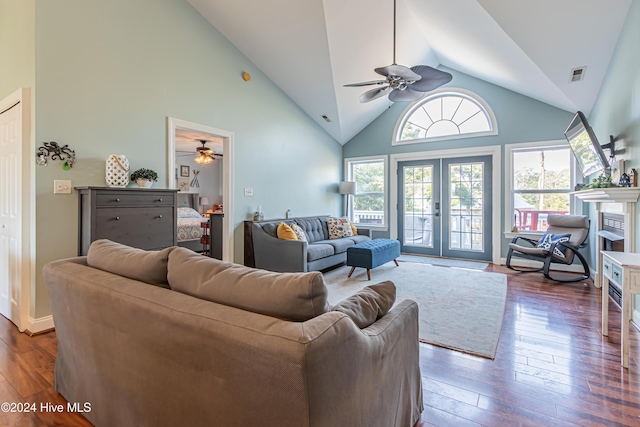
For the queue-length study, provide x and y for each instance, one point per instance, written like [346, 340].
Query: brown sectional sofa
[174, 338]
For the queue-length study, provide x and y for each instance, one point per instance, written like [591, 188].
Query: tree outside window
[369, 200]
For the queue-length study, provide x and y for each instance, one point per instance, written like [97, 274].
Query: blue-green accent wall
[519, 118]
[617, 109]
[109, 73]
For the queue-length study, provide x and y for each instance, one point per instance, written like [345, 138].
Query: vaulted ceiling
[311, 48]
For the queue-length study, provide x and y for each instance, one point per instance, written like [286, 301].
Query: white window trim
[508, 183]
[495, 151]
[434, 94]
[347, 175]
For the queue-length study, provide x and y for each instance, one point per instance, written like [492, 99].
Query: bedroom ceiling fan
[403, 83]
[204, 154]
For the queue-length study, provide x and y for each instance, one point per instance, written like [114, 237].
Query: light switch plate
[62, 186]
[248, 191]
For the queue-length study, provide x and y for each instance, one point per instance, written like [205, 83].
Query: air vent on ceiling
[577, 74]
[326, 119]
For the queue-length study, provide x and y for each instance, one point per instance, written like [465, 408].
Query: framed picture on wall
[184, 170]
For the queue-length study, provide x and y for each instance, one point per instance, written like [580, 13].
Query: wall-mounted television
[585, 146]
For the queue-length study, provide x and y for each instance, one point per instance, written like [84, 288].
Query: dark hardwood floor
[552, 367]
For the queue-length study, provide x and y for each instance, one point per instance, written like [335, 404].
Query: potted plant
[144, 177]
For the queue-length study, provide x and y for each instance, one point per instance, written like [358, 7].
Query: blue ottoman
[372, 253]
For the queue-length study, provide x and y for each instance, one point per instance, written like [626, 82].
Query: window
[541, 179]
[369, 202]
[447, 114]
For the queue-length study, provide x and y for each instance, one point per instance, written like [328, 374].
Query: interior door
[419, 207]
[444, 207]
[10, 213]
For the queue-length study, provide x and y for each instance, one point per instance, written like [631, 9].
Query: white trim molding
[484, 105]
[495, 151]
[41, 324]
[227, 178]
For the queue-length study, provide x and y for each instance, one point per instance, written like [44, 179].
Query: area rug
[447, 262]
[460, 309]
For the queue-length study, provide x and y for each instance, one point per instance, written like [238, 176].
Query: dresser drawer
[121, 198]
[144, 228]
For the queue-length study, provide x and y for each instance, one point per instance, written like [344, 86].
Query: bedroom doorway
[209, 183]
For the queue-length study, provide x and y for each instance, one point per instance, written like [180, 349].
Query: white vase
[117, 171]
[144, 183]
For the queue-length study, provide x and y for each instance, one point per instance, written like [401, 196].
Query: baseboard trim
[520, 262]
[39, 325]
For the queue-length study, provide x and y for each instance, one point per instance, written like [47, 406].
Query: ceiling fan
[204, 154]
[403, 83]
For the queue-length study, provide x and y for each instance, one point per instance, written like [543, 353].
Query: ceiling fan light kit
[204, 154]
[403, 83]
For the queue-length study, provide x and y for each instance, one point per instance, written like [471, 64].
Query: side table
[622, 268]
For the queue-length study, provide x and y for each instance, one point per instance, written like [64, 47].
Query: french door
[444, 207]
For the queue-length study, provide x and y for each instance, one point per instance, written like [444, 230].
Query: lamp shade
[204, 201]
[348, 187]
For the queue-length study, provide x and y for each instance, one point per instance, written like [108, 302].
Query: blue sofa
[320, 252]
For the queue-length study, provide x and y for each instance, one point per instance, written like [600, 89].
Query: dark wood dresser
[144, 218]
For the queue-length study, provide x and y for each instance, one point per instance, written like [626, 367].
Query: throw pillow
[369, 304]
[354, 230]
[300, 234]
[338, 228]
[547, 240]
[285, 232]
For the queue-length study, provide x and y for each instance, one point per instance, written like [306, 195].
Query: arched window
[446, 114]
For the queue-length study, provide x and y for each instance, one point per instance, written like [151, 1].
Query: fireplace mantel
[628, 197]
[609, 195]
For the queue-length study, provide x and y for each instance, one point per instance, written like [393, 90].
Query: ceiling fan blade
[398, 70]
[406, 95]
[373, 82]
[431, 78]
[372, 94]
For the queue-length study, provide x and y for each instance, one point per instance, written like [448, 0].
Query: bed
[189, 220]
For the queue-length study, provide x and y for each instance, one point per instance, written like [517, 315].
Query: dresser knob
[118, 199]
[160, 200]
[159, 216]
[117, 218]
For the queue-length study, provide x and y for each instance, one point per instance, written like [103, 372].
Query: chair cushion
[528, 250]
[547, 240]
[289, 296]
[318, 250]
[137, 264]
[285, 232]
[368, 304]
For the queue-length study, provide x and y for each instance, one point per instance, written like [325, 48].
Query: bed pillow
[339, 227]
[300, 234]
[547, 240]
[188, 213]
[285, 232]
[137, 264]
[368, 304]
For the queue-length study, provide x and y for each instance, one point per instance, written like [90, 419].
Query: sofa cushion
[288, 296]
[285, 232]
[359, 238]
[338, 228]
[317, 250]
[137, 264]
[368, 304]
[314, 228]
[339, 245]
